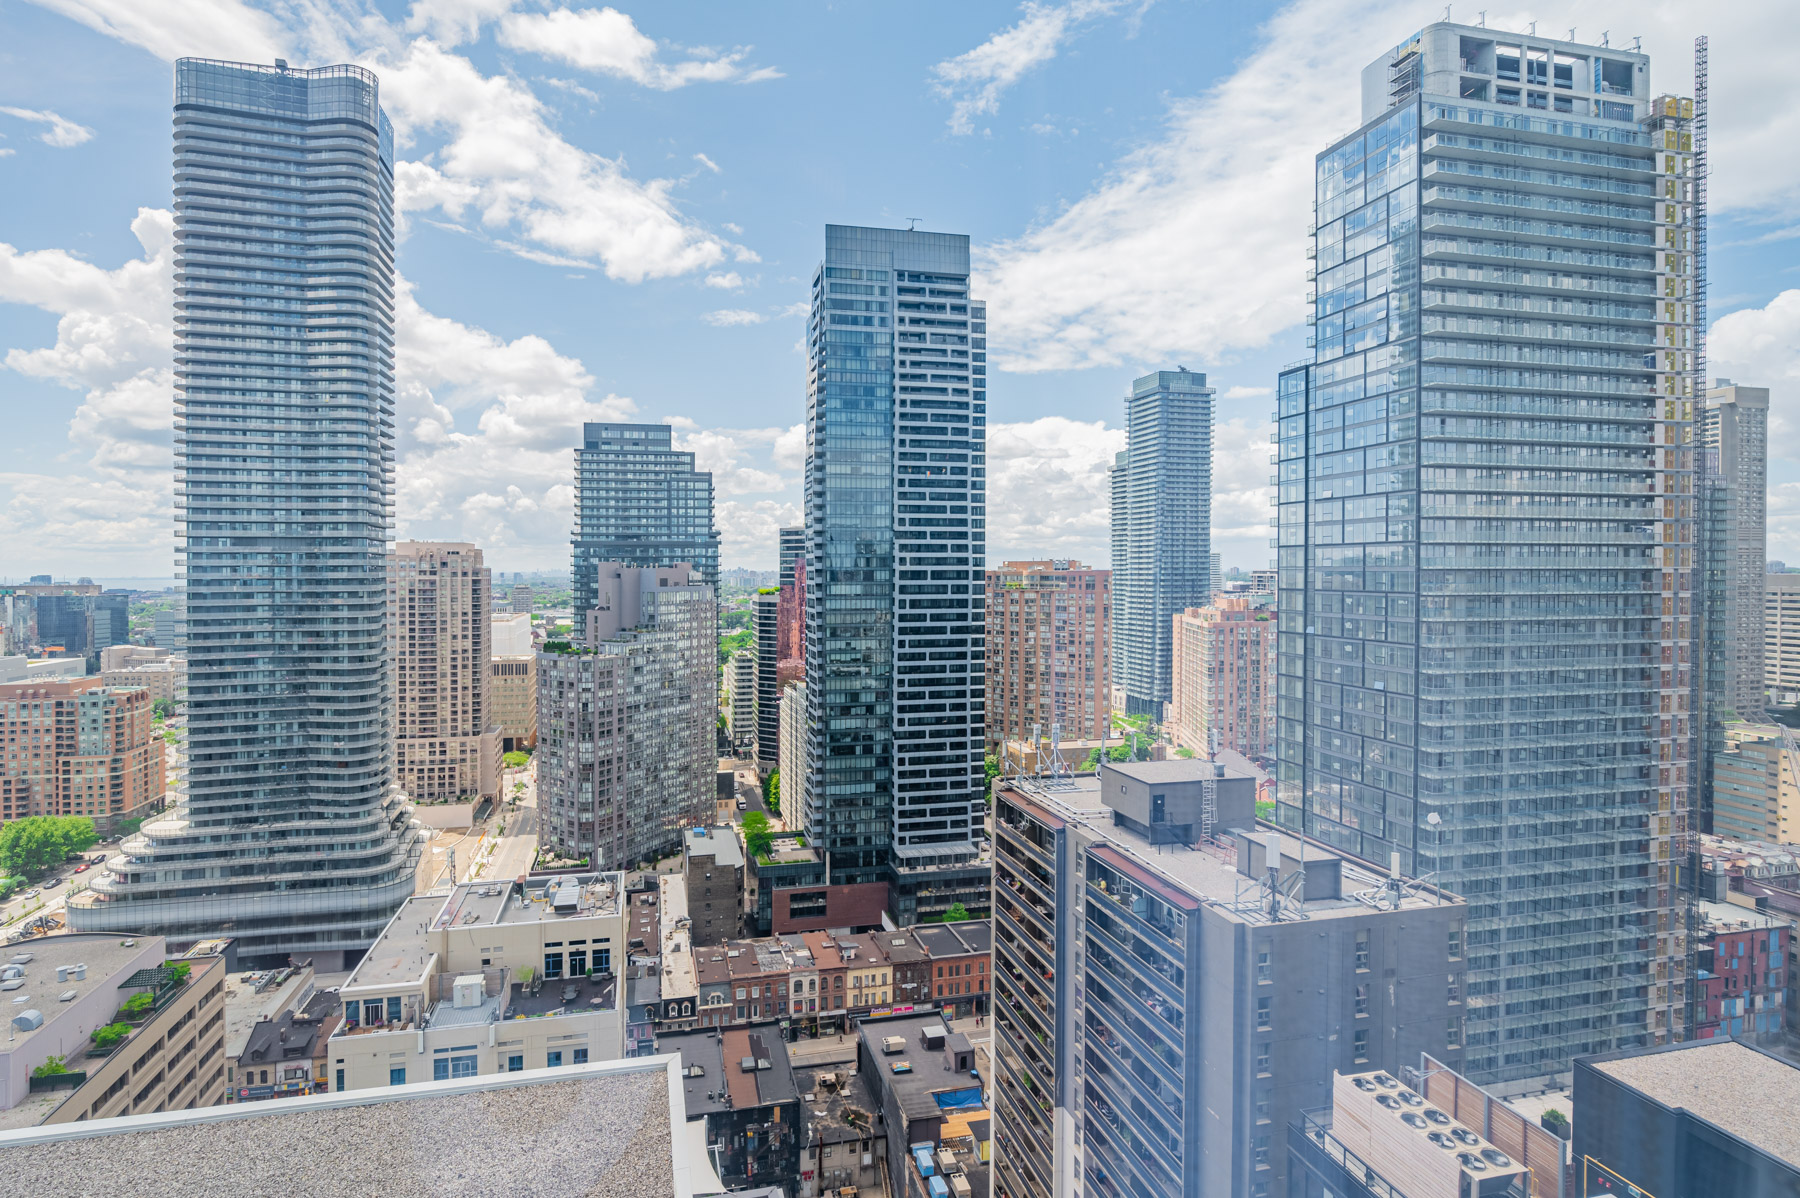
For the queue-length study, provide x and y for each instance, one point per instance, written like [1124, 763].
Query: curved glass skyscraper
[287, 833]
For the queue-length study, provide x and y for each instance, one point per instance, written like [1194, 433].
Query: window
[397, 1077]
[580, 1057]
[340, 1080]
[1454, 988]
[393, 1009]
[445, 1068]
[578, 963]
[1262, 1058]
[553, 1059]
[1264, 1014]
[372, 1010]
[1259, 1150]
[602, 960]
[1362, 950]
[1453, 1034]
[515, 1063]
[1262, 965]
[1360, 1045]
[265, 1077]
[1506, 95]
[1362, 1000]
[553, 965]
[1262, 1110]
[1456, 937]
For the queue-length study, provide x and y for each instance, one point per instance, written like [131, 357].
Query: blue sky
[614, 212]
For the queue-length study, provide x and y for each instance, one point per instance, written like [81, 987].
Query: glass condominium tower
[895, 540]
[287, 833]
[1161, 529]
[1486, 527]
[638, 502]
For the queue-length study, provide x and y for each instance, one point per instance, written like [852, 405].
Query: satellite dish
[1433, 818]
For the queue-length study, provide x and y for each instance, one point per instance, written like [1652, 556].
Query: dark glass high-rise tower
[895, 540]
[287, 832]
[639, 502]
[1487, 528]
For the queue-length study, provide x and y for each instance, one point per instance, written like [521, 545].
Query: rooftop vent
[28, 1021]
[67, 996]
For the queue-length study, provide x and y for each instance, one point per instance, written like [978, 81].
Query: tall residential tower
[1487, 526]
[638, 502]
[1161, 528]
[895, 536]
[287, 833]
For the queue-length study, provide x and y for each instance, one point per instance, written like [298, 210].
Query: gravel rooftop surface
[1752, 1096]
[606, 1137]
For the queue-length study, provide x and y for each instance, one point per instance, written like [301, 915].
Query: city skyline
[495, 380]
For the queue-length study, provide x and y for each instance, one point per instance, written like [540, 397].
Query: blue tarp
[959, 1100]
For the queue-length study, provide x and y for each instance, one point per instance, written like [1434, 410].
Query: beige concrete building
[78, 747]
[1049, 646]
[1781, 637]
[171, 1056]
[1756, 786]
[513, 691]
[163, 679]
[793, 756]
[491, 978]
[1222, 677]
[447, 740]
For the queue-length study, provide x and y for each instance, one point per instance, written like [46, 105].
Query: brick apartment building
[1048, 650]
[78, 747]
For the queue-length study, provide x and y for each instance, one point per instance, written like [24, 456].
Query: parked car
[30, 894]
[82, 867]
[743, 804]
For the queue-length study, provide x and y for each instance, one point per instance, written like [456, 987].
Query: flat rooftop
[1176, 769]
[551, 1133]
[1210, 872]
[1741, 1091]
[402, 951]
[1726, 918]
[721, 844]
[107, 958]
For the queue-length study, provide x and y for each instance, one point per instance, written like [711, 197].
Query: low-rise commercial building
[1743, 957]
[842, 1148]
[922, 1077]
[109, 1027]
[514, 693]
[491, 978]
[961, 957]
[285, 1056]
[78, 747]
[713, 864]
[741, 1085]
[1178, 996]
[1689, 1120]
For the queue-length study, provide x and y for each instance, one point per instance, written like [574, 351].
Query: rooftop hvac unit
[466, 991]
[893, 1044]
[28, 1021]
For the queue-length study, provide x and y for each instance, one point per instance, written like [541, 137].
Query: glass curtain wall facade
[1486, 527]
[895, 537]
[1161, 529]
[288, 833]
[638, 501]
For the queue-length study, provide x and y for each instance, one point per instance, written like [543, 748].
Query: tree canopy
[758, 839]
[33, 844]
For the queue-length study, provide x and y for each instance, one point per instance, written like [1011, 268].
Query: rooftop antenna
[1637, 45]
[1605, 39]
[912, 223]
[1481, 19]
[1533, 29]
[1446, 12]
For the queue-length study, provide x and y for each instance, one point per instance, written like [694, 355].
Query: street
[485, 852]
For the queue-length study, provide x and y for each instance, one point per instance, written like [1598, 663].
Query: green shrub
[181, 970]
[517, 760]
[111, 1034]
[51, 1067]
[137, 1004]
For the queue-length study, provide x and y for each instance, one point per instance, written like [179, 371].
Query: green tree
[32, 845]
[758, 839]
[517, 760]
[772, 791]
[164, 708]
[1119, 753]
[1184, 752]
[956, 914]
[990, 767]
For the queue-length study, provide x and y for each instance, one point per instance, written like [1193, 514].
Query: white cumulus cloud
[975, 79]
[609, 42]
[62, 132]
